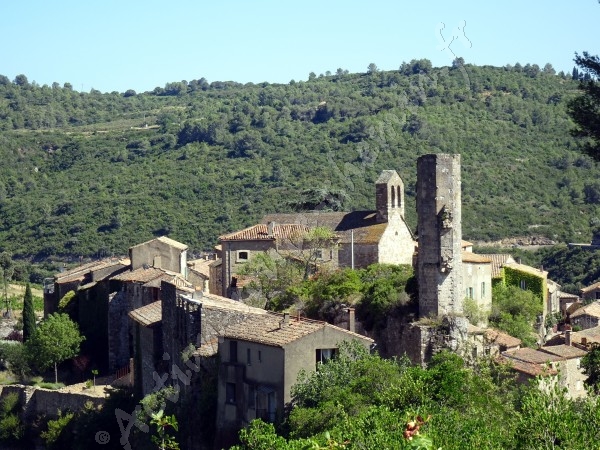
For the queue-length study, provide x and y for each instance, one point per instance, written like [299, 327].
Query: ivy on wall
[533, 283]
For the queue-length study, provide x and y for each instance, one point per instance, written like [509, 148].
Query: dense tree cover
[516, 311]
[591, 367]
[360, 400]
[82, 175]
[585, 109]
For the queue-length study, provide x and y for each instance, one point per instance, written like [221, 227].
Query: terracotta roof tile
[260, 232]
[470, 257]
[592, 310]
[269, 330]
[364, 224]
[141, 275]
[79, 272]
[591, 335]
[564, 351]
[148, 315]
[501, 338]
[527, 269]
[591, 287]
[498, 260]
[529, 368]
[531, 356]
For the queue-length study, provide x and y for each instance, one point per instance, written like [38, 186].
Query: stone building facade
[361, 237]
[439, 262]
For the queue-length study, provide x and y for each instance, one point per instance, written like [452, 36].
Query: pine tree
[28, 314]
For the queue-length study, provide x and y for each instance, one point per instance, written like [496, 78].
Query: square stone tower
[439, 262]
[389, 195]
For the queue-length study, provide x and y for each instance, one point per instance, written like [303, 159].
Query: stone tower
[389, 195]
[439, 263]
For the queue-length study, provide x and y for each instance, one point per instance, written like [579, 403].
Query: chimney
[351, 320]
[271, 228]
[286, 319]
[568, 338]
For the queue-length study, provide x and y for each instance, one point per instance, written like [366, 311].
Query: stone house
[587, 316]
[108, 289]
[565, 300]
[361, 237]
[183, 320]
[490, 342]
[477, 281]
[560, 363]
[260, 361]
[199, 273]
[591, 292]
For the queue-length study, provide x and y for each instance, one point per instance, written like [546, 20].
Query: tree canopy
[585, 109]
[56, 339]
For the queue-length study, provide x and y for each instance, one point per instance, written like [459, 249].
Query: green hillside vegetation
[90, 174]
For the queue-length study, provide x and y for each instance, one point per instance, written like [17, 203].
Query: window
[319, 254]
[523, 284]
[251, 397]
[230, 393]
[469, 292]
[325, 354]
[233, 351]
[249, 356]
[259, 356]
[597, 295]
[483, 289]
[242, 256]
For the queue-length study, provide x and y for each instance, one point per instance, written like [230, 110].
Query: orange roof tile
[470, 257]
[531, 356]
[148, 315]
[501, 338]
[592, 310]
[260, 232]
[498, 260]
[564, 351]
[528, 368]
[268, 330]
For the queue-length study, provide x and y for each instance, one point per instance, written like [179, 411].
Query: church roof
[386, 175]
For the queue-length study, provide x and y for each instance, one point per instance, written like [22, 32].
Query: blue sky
[114, 45]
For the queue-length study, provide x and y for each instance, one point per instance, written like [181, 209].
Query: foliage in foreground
[360, 401]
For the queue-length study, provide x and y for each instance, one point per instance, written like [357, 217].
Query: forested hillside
[90, 174]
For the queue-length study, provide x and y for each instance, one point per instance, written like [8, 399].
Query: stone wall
[439, 267]
[37, 401]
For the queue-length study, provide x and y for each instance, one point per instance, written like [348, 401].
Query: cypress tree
[28, 314]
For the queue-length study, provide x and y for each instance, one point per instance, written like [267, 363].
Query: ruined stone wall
[439, 267]
[118, 331]
[37, 401]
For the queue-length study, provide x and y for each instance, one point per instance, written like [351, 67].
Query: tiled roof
[79, 272]
[147, 315]
[564, 351]
[574, 307]
[592, 310]
[260, 232]
[527, 269]
[201, 266]
[142, 275]
[567, 295]
[591, 287]
[364, 224]
[591, 335]
[529, 368]
[498, 260]
[530, 355]
[470, 257]
[464, 244]
[269, 330]
[212, 301]
[501, 338]
[165, 240]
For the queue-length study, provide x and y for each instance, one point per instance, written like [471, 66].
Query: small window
[230, 393]
[523, 284]
[325, 354]
[242, 256]
[597, 295]
[251, 397]
[259, 356]
[233, 351]
[469, 292]
[483, 290]
[249, 356]
[319, 253]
